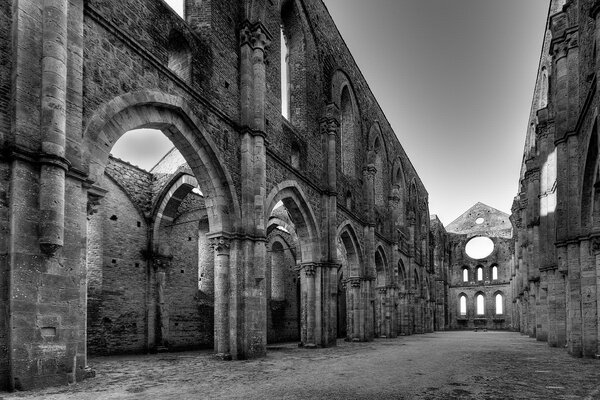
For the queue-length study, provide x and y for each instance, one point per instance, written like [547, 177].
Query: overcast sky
[455, 79]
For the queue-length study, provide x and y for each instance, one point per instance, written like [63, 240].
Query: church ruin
[270, 221]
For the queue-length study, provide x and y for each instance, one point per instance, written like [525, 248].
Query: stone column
[574, 301]
[53, 125]
[161, 265]
[354, 285]
[248, 293]
[309, 276]
[590, 251]
[542, 308]
[380, 324]
[221, 247]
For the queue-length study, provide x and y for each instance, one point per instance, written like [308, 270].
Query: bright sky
[455, 79]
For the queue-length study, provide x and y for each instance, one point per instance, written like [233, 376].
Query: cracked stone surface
[443, 365]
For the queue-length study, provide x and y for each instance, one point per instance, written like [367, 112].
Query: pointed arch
[346, 235]
[590, 188]
[301, 215]
[169, 201]
[343, 96]
[381, 267]
[377, 148]
[172, 115]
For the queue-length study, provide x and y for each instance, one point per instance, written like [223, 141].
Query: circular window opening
[479, 221]
[479, 247]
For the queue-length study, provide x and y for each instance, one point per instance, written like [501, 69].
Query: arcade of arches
[258, 228]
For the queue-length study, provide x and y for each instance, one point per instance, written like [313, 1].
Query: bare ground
[442, 365]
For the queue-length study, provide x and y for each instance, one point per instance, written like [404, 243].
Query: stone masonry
[99, 257]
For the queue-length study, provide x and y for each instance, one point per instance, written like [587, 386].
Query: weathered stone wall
[120, 72]
[135, 182]
[117, 317]
[5, 71]
[190, 310]
[283, 319]
[4, 274]
[480, 221]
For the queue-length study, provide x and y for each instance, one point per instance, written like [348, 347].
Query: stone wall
[117, 303]
[4, 274]
[190, 310]
[5, 70]
[134, 181]
[283, 315]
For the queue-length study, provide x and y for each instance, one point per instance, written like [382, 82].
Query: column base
[223, 356]
[310, 346]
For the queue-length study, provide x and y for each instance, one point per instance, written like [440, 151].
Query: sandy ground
[442, 365]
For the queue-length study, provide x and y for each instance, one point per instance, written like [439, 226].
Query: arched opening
[544, 88]
[283, 313]
[465, 274]
[462, 306]
[293, 66]
[180, 56]
[379, 175]
[147, 255]
[495, 272]
[285, 72]
[379, 309]
[479, 273]
[295, 156]
[293, 238]
[499, 304]
[349, 254]
[347, 133]
[480, 304]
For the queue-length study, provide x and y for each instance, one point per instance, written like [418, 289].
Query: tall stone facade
[310, 228]
[556, 280]
[478, 279]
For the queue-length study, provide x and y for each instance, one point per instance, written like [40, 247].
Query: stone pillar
[574, 300]
[380, 312]
[589, 251]
[248, 294]
[221, 247]
[53, 125]
[162, 264]
[354, 285]
[308, 300]
[542, 308]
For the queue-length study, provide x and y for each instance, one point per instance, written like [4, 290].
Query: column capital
[369, 171]
[161, 261]
[255, 35]
[329, 125]
[220, 244]
[595, 245]
[354, 281]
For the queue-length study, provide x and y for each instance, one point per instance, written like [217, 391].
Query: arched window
[479, 273]
[285, 84]
[180, 56]
[462, 304]
[349, 200]
[293, 73]
[347, 132]
[379, 166]
[494, 273]
[499, 304]
[465, 274]
[277, 272]
[480, 304]
[544, 88]
[295, 156]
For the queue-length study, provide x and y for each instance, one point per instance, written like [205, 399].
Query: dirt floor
[442, 365]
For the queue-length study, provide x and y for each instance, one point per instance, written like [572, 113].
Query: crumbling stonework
[487, 276]
[555, 213]
[99, 257]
